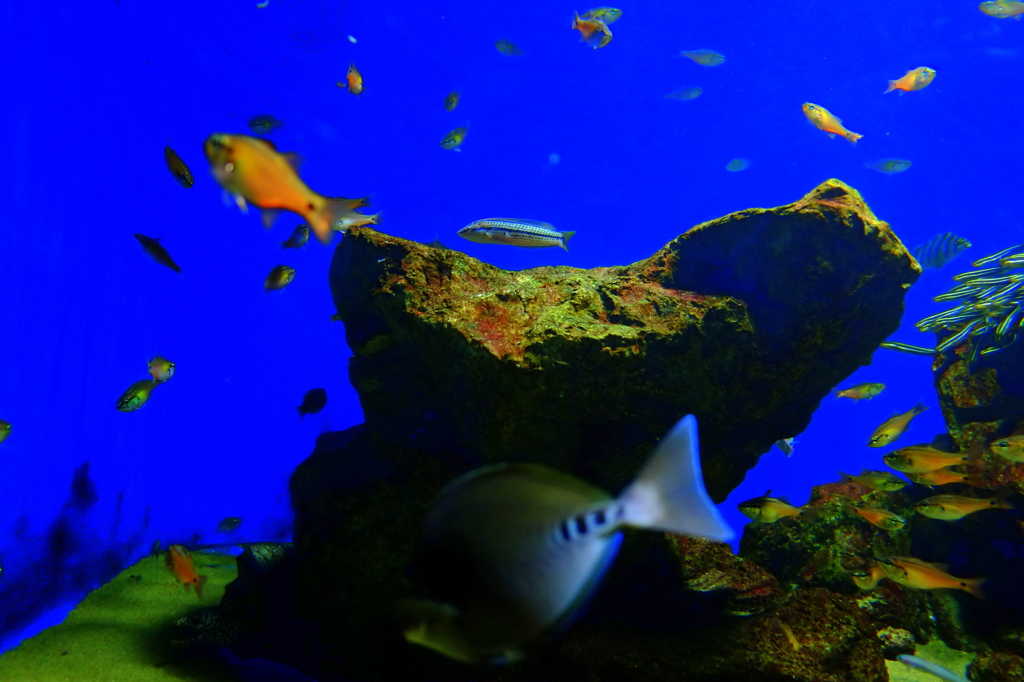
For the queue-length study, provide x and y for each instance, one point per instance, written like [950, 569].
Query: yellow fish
[280, 277]
[5, 430]
[861, 391]
[825, 120]
[955, 507]
[939, 477]
[254, 171]
[869, 577]
[768, 509]
[452, 100]
[453, 139]
[915, 79]
[880, 518]
[608, 15]
[136, 396]
[161, 369]
[1011, 448]
[704, 57]
[876, 480]
[921, 575]
[894, 427]
[593, 32]
[1003, 9]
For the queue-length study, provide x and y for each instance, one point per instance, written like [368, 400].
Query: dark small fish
[228, 524]
[300, 235]
[157, 252]
[280, 277]
[452, 100]
[940, 250]
[888, 166]
[508, 48]
[314, 401]
[178, 169]
[5, 430]
[263, 124]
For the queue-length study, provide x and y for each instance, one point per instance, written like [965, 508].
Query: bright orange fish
[921, 575]
[823, 119]
[355, 80]
[593, 31]
[939, 477]
[915, 79]
[921, 459]
[253, 170]
[880, 518]
[179, 561]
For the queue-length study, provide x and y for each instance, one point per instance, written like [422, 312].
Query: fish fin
[565, 238]
[293, 159]
[434, 625]
[325, 218]
[919, 408]
[669, 493]
[849, 507]
[892, 86]
[831, 135]
[240, 202]
[1002, 499]
[269, 216]
[852, 137]
[809, 513]
[200, 581]
[846, 478]
[972, 586]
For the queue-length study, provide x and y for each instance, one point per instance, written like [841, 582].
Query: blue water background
[93, 91]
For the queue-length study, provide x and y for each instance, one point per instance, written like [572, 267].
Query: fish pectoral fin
[269, 216]
[240, 202]
[293, 159]
[832, 135]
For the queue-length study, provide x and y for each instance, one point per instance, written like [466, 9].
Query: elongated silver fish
[516, 232]
[929, 667]
[939, 250]
[511, 551]
[907, 348]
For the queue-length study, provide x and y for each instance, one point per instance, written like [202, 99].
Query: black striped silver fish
[515, 232]
[939, 250]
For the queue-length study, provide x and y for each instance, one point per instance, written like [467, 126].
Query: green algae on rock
[747, 321]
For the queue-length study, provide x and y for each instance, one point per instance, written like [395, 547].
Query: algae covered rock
[746, 321]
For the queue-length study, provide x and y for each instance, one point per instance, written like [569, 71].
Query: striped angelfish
[939, 250]
[516, 232]
[511, 551]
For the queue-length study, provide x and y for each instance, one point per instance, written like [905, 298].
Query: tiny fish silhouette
[314, 401]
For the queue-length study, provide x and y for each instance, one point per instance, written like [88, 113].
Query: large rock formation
[746, 321]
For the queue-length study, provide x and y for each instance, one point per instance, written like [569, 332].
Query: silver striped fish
[939, 250]
[515, 232]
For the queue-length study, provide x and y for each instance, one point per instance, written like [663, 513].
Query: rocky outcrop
[746, 321]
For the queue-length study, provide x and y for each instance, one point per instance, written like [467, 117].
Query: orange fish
[179, 561]
[893, 428]
[921, 459]
[594, 32]
[880, 518]
[915, 79]
[823, 119]
[939, 477]
[253, 170]
[869, 578]
[955, 507]
[355, 80]
[921, 575]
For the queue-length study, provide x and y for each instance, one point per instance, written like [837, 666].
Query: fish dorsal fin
[293, 159]
[668, 494]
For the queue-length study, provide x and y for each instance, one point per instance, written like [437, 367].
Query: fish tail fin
[375, 218]
[972, 586]
[200, 581]
[325, 218]
[848, 507]
[919, 408]
[669, 493]
[852, 136]
[1002, 499]
[565, 238]
[576, 20]
[892, 86]
[809, 513]
[844, 477]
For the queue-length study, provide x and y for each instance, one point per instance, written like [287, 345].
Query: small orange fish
[915, 79]
[593, 32]
[921, 459]
[955, 507]
[939, 477]
[179, 562]
[893, 428]
[355, 80]
[161, 369]
[824, 120]
[921, 575]
[253, 170]
[880, 518]
[869, 578]
[861, 391]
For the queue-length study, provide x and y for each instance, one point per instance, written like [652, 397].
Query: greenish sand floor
[935, 651]
[119, 631]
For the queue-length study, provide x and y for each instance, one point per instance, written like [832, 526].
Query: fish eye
[1002, 444]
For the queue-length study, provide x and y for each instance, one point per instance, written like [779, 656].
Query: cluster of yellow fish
[924, 465]
[160, 371]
